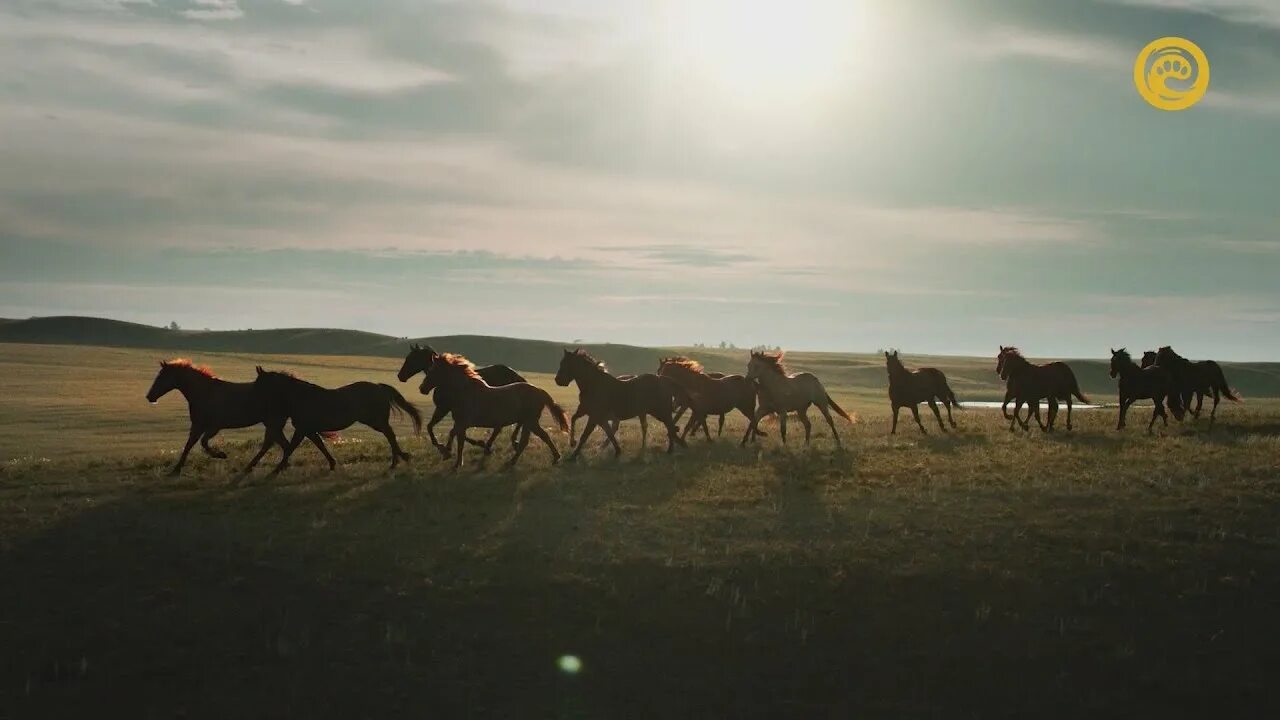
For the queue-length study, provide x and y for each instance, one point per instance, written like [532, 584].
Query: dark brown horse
[909, 388]
[709, 395]
[1196, 378]
[420, 357]
[1138, 383]
[314, 409]
[782, 393]
[1029, 383]
[478, 404]
[215, 405]
[605, 399]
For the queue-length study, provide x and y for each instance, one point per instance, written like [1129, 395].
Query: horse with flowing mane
[782, 393]
[1030, 383]
[1194, 378]
[605, 399]
[315, 410]
[420, 357]
[710, 395]
[909, 388]
[1138, 383]
[215, 405]
[478, 404]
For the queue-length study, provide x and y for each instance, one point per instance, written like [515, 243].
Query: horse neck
[1128, 368]
[685, 376]
[195, 385]
[771, 378]
[594, 377]
[1015, 365]
[898, 370]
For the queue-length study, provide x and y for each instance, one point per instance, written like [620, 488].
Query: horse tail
[1075, 388]
[951, 395]
[839, 410]
[557, 412]
[1219, 380]
[399, 404]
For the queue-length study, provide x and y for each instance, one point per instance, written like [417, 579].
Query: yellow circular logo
[1171, 73]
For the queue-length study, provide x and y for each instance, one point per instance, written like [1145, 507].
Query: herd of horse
[496, 397]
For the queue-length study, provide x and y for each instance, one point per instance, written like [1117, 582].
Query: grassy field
[979, 574]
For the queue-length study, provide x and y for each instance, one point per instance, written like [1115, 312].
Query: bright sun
[764, 51]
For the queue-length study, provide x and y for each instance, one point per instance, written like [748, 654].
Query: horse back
[496, 375]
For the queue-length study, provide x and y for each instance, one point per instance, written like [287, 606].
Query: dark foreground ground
[982, 575]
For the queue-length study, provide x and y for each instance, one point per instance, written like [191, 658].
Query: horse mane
[204, 370]
[773, 359]
[1014, 351]
[1123, 355]
[467, 367]
[587, 356]
[683, 362]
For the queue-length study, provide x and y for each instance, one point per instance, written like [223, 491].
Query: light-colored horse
[784, 393]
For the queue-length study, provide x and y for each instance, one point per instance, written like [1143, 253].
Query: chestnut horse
[216, 405]
[1029, 383]
[314, 409]
[605, 399]
[782, 393]
[909, 388]
[420, 357]
[478, 404]
[710, 395]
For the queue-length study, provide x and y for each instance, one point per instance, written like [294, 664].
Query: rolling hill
[972, 378]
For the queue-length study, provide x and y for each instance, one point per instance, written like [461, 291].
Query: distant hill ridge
[972, 378]
[534, 355]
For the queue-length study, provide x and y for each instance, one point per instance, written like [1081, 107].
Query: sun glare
[763, 52]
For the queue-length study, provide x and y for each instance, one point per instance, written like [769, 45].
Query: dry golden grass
[979, 573]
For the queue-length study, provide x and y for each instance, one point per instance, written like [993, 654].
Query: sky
[939, 176]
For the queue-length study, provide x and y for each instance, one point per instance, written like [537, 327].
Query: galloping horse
[478, 404]
[215, 405]
[420, 357]
[783, 393]
[1030, 383]
[314, 409]
[710, 395]
[607, 399]
[909, 388]
[1195, 378]
[1137, 383]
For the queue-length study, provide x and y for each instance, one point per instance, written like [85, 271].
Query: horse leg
[826, 414]
[720, 430]
[933, 405]
[192, 437]
[1157, 411]
[604, 444]
[586, 433]
[294, 442]
[611, 435]
[1124, 407]
[1213, 412]
[1068, 412]
[211, 452]
[488, 444]
[644, 432]
[1200, 403]
[915, 413]
[706, 430]
[950, 419]
[1052, 413]
[396, 452]
[803, 415]
[537, 430]
[782, 426]
[460, 432]
[573, 422]
[515, 432]
[894, 430]
[318, 441]
[521, 444]
[436, 417]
